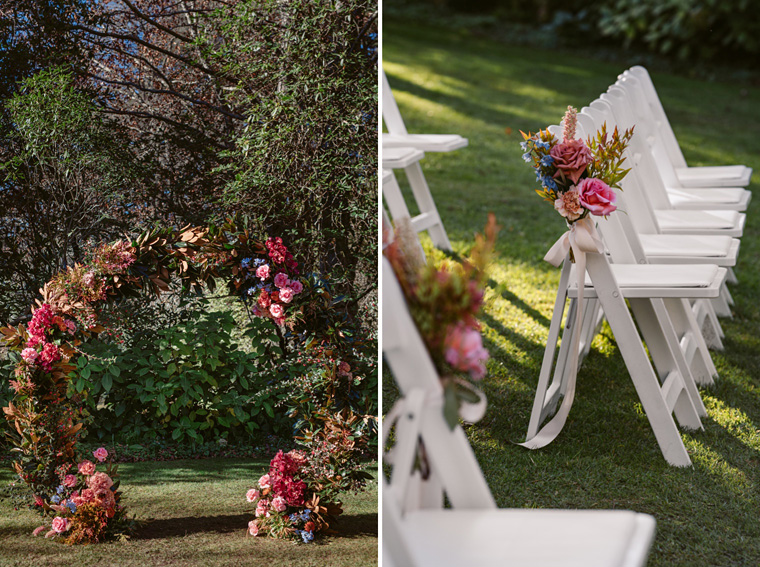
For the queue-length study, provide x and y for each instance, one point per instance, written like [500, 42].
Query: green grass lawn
[194, 513]
[607, 456]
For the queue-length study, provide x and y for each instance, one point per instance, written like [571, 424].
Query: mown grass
[607, 456]
[194, 513]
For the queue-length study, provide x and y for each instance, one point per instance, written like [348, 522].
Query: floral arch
[46, 421]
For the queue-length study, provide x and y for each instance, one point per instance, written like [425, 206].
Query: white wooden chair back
[448, 452]
[391, 114]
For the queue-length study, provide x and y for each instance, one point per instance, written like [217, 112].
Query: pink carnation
[571, 158]
[279, 504]
[596, 196]
[253, 528]
[262, 272]
[29, 354]
[286, 295]
[60, 525]
[296, 286]
[86, 468]
[276, 310]
[464, 350]
[568, 204]
[70, 480]
[281, 279]
[252, 495]
[264, 482]
[100, 454]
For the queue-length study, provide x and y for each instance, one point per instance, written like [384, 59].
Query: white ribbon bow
[582, 238]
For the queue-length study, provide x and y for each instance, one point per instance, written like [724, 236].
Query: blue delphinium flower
[307, 536]
[527, 157]
[549, 182]
[55, 499]
[71, 506]
[258, 261]
[245, 263]
[547, 160]
[543, 145]
[539, 175]
[60, 489]
[251, 290]
[305, 515]
[293, 518]
[524, 145]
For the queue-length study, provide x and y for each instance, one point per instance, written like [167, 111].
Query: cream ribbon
[582, 238]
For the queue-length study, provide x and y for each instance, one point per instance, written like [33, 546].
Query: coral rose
[596, 196]
[86, 468]
[571, 158]
[464, 350]
[60, 525]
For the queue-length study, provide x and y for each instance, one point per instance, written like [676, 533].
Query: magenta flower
[100, 454]
[281, 279]
[596, 196]
[464, 350]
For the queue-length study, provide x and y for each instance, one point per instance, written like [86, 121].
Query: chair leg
[700, 362]
[639, 367]
[429, 217]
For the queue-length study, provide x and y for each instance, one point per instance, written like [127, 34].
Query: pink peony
[286, 295]
[70, 480]
[29, 354]
[100, 454]
[262, 272]
[276, 310]
[281, 279]
[464, 350]
[252, 495]
[568, 204]
[571, 158]
[86, 468]
[296, 286]
[264, 482]
[60, 525]
[596, 196]
[262, 508]
[279, 504]
[253, 528]
[100, 481]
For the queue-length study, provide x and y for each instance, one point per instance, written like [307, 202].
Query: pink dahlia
[264, 482]
[253, 528]
[279, 504]
[100, 481]
[29, 355]
[70, 481]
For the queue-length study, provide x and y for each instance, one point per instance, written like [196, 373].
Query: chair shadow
[348, 527]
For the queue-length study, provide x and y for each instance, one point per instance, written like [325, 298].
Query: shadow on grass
[351, 526]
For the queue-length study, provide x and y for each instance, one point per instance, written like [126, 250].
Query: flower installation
[86, 505]
[577, 176]
[444, 302]
[290, 501]
[45, 418]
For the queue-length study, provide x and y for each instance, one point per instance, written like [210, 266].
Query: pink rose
[279, 504]
[571, 158]
[286, 295]
[262, 272]
[70, 480]
[264, 482]
[464, 350]
[281, 280]
[253, 528]
[596, 196]
[568, 204]
[276, 310]
[60, 525]
[252, 495]
[262, 508]
[296, 286]
[100, 454]
[86, 468]
[29, 355]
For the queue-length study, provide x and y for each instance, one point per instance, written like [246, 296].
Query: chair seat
[425, 142]
[690, 249]
[655, 280]
[714, 176]
[726, 223]
[529, 538]
[729, 198]
[399, 158]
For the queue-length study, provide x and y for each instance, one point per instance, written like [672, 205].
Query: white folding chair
[629, 107]
[711, 176]
[473, 531]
